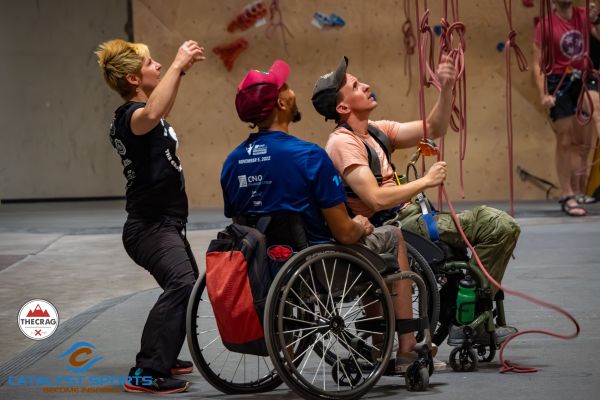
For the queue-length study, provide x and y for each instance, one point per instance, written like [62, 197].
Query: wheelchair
[329, 325]
[450, 265]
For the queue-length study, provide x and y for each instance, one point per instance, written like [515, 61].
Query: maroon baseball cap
[258, 92]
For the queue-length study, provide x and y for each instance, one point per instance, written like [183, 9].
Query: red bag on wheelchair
[238, 278]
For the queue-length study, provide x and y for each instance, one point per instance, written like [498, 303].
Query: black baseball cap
[324, 96]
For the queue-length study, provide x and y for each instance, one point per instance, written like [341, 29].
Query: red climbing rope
[582, 116]
[458, 122]
[511, 43]
[409, 44]
[424, 40]
[547, 52]
[506, 365]
[276, 22]
[449, 33]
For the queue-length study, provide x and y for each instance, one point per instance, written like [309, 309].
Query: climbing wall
[208, 127]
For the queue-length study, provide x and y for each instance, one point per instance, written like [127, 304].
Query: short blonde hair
[118, 58]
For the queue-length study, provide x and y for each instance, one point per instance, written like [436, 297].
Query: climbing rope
[506, 365]
[511, 43]
[276, 22]
[409, 44]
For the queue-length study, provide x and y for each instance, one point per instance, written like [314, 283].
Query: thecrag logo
[38, 319]
[80, 357]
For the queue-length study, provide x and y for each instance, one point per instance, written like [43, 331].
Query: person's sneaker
[405, 360]
[456, 336]
[182, 367]
[144, 381]
[503, 332]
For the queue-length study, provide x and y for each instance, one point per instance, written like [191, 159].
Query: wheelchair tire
[463, 359]
[320, 296]
[227, 371]
[419, 265]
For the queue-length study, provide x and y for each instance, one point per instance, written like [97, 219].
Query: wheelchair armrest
[453, 253]
[384, 263]
[390, 262]
[432, 253]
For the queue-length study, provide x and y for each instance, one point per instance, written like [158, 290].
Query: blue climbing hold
[331, 21]
[500, 47]
[437, 29]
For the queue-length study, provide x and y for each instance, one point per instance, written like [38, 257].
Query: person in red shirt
[570, 42]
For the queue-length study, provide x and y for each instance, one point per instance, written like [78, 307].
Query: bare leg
[582, 139]
[403, 298]
[596, 114]
[566, 159]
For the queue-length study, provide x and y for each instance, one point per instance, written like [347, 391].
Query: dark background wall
[55, 107]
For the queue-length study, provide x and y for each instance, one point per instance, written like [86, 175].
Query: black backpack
[238, 280]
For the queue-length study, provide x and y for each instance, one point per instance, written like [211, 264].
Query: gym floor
[71, 254]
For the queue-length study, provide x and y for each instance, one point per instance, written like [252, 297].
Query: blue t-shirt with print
[273, 172]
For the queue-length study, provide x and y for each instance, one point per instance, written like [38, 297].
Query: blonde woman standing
[157, 205]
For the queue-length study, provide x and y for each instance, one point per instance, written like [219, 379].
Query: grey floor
[71, 254]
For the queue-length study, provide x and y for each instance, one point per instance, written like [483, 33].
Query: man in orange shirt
[356, 141]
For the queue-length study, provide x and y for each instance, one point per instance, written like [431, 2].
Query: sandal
[568, 208]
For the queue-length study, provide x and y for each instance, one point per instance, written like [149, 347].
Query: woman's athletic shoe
[182, 367]
[147, 381]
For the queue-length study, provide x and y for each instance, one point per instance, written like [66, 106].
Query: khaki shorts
[382, 240]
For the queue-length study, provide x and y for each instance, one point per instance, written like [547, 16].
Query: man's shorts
[567, 94]
[382, 240]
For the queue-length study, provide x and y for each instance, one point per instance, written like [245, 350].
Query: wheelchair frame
[465, 357]
[313, 347]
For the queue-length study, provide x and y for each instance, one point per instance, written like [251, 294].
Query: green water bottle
[465, 301]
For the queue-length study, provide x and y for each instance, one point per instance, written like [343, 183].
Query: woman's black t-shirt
[155, 183]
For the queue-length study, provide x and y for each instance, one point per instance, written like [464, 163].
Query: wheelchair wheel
[486, 353]
[419, 265]
[463, 359]
[329, 323]
[417, 377]
[227, 371]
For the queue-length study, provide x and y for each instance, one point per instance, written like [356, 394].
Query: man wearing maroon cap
[273, 172]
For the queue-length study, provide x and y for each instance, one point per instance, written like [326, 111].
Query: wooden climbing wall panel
[208, 127]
